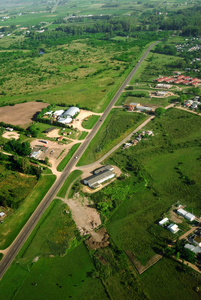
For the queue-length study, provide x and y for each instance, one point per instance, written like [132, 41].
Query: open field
[60, 277]
[20, 114]
[13, 224]
[118, 125]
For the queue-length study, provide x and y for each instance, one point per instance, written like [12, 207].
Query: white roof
[181, 211]
[189, 216]
[173, 227]
[71, 112]
[163, 221]
[58, 112]
[65, 120]
[2, 214]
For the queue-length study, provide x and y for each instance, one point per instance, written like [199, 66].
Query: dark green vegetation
[118, 125]
[66, 159]
[90, 122]
[14, 187]
[67, 184]
[134, 204]
[170, 280]
[14, 223]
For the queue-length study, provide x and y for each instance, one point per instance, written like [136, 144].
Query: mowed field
[20, 114]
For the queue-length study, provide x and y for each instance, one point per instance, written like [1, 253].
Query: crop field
[14, 223]
[118, 125]
[20, 114]
[163, 169]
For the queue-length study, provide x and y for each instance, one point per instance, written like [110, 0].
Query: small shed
[163, 221]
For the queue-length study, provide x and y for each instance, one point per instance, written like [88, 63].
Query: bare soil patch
[11, 135]
[98, 239]
[84, 214]
[22, 113]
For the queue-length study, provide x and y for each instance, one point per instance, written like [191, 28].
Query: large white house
[68, 115]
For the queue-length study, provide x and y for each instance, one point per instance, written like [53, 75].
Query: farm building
[103, 169]
[163, 86]
[185, 214]
[70, 112]
[173, 228]
[95, 180]
[2, 214]
[144, 108]
[161, 93]
[195, 249]
[58, 113]
[181, 212]
[131, 106]
[51, 129]
[66, 120]
[163, 221]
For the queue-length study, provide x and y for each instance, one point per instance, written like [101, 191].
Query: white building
[2, 214]
[67, 120]
[58, 113]
[190, 217]
[70, 112]
[95, 180]
[181, 212]
[173, 228]
[163, 221]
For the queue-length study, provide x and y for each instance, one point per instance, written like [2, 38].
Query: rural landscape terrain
[100, 150]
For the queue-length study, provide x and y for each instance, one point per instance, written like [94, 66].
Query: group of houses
[64, 117]
[137, 106]
[194, 242]
[137, 138]
[99, 176]
[193, 103]
[180, 79]
[172, 227]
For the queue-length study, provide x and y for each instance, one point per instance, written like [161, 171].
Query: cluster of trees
[22, 149]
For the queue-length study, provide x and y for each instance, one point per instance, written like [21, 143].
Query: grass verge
[70, 179]
[90, 122]
[66, 159]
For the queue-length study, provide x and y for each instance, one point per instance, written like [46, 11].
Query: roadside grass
[162, 280]
[70, 179]
[53, 235]
[83, 135]
[13, 224]
[55, 277]
[118, 125]
[90, 122]
[66, 159]
[1, 256]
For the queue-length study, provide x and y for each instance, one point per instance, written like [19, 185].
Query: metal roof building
[103, 169]
[95, 180]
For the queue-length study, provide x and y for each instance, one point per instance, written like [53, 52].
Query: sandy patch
[84, 214]
[83, 114]
[11, 135]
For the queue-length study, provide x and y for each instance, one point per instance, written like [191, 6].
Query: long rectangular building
[95, 180]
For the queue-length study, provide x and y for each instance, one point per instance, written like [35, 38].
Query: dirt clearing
[11, 135]
[20, 114]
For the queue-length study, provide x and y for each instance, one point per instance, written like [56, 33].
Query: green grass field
[118, 125]
[166, 280]
[83, 135]
[66, 159]
[13, 224]
[132, 225]
[90, 122]
[60, 277]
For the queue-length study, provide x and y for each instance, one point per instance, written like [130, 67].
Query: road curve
[31, 223]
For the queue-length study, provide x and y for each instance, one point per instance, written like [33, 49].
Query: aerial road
[31, 223]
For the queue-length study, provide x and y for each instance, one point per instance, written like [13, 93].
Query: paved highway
[31, 223]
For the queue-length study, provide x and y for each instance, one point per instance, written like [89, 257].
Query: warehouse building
[103, 169]
[94, 181]
[68, 115]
